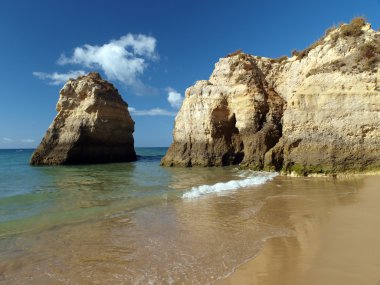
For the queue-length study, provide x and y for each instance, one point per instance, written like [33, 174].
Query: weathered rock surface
[318, 111]
[93, 125]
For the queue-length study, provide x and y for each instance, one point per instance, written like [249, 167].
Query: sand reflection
[187, 242]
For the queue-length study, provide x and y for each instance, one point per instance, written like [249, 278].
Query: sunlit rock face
[93, 125]
[316, 112]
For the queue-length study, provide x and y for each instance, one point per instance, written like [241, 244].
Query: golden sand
[343, 247]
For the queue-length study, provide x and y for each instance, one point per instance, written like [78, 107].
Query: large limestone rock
[318, 111]
[93, 125]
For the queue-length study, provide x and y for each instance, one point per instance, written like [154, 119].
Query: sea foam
[249, 178]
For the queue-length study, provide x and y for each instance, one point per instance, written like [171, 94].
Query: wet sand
[340, 246]
[289, 230]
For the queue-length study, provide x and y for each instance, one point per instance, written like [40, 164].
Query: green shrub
[303, 170]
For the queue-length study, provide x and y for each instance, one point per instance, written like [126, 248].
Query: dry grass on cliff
[327, 67]
[367, 58]
[239, 51]
[369, 53]
[279, 59]
[303, 53]
[353, 29]
[306, 51]
[244, 60]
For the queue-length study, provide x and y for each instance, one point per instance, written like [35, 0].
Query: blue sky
[179, 43]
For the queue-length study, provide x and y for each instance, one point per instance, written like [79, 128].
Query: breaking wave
[249, 178]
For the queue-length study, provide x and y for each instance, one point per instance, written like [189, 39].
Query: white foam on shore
[250, 178]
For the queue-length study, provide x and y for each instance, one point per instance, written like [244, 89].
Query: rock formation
[316, 112]
[93, 125]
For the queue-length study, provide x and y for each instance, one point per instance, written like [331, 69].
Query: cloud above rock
[174, 98]
[151, 112]
[27, 141]
[56, 78]
[123, 60]
[7, 140]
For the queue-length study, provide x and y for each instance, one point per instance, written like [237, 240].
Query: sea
[140, 223]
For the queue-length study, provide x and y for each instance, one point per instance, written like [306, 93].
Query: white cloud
[58, 78]
[151, 112]
[27, 140]
[124, 59]
[7, 140]
[174, 98]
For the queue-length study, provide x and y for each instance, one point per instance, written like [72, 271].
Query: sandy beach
[74, 225]
[340, 247]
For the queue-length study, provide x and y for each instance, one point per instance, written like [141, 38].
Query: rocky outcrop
[93, 125]
[318, 111]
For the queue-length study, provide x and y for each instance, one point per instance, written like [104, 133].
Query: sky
[150, 50]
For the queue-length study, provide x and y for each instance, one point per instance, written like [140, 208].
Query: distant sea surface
[140, 223]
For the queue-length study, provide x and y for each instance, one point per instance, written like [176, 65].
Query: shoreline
[346, 174]
[342, 249]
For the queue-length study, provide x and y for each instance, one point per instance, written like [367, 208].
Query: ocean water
[139, 223]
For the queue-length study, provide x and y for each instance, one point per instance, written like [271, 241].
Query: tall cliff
[318, 111]
[93, 125]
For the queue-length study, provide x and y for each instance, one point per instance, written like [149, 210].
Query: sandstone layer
[316, 112]
[93, 125]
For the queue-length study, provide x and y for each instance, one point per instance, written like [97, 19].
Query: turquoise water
[140, 223]
[33, 197]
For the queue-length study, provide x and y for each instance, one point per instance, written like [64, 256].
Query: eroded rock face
[93, 125]
[315, 113]
[232, 118]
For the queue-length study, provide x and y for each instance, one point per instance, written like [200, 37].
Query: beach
[342, 247]
[177, 142]
[139, 223]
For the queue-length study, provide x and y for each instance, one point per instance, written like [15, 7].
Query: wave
[250, 178]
